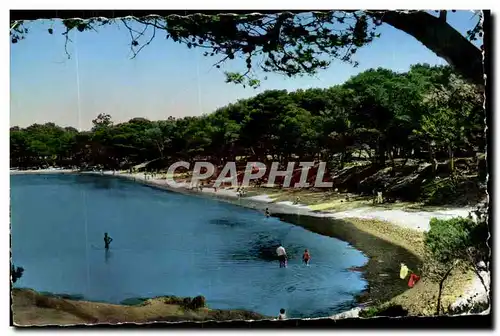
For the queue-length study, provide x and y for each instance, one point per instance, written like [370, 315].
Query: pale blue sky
[166, 79]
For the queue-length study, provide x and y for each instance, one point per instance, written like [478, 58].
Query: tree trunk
[441, 283]
[393, 163]
[441, 38]
[381, 153]
[368, 153]
[452, 163]
[476, 270]
[432, 159]
[474, 267]
[342, 158]
[160, 149]
[405, 161]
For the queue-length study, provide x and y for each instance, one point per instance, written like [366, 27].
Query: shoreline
[416, 220]
[42, 171]
[358, 226]
[32, 308]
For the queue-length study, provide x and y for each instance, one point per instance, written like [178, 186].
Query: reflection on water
[171, 244]
[107, 255]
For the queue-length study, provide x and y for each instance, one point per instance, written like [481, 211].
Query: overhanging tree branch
[295, 42]
[442, 39]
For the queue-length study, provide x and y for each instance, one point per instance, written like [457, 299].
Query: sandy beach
[42, 171]
[416, 220]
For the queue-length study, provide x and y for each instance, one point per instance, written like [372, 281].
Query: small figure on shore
[280, 251]
[282, 315]
[267, 212]
[107, 240]
[297, 200]
[377, 196]
[306, 257]
[380, 199]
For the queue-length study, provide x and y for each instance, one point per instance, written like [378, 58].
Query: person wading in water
[306, 257]
[267, 212]
[280, 251]
[107, 240]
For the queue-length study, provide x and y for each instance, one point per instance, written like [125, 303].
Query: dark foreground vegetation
[419, 136]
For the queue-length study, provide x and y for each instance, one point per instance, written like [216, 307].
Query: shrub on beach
[198, 302]
[193, 303]
[453, 243]
[457, 238]
[16, 273]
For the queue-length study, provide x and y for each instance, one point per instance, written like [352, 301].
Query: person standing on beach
[267, 212]
[107, 240]
[280, 251]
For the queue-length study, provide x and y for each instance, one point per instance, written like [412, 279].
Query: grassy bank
[32, 308]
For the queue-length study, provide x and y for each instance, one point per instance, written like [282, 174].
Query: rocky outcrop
[475, 299]
[353, 313]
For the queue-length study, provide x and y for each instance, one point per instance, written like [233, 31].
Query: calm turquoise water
[170, 244]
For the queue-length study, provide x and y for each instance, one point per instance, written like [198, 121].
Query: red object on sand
[413, 280]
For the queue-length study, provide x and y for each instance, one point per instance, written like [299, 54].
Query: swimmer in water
[306, 257]
[107, 240]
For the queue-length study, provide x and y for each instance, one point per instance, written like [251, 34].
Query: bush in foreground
[456, 243]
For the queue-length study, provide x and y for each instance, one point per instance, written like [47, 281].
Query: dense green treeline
[378, 116]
